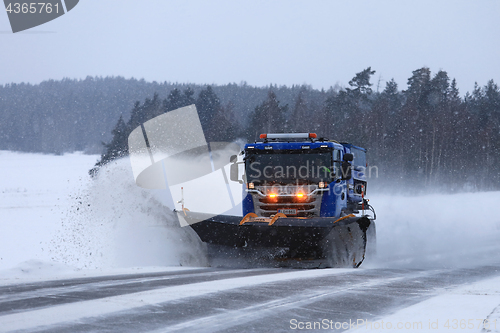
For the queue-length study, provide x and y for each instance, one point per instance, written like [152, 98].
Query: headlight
[321, 185]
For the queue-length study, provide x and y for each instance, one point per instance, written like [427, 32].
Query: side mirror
[233, 159]
[346, 170]
[348, 157]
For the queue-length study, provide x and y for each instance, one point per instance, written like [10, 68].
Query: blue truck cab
[299, 175]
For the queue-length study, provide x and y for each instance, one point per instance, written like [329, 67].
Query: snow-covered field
[437, 230]
[55, 219]
[55, 222]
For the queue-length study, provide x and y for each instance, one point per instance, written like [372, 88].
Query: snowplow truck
[301, 193]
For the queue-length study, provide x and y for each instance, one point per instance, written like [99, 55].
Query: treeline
[428, 135]
[78, 115]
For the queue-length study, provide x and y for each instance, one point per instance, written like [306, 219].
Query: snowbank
[114, 223]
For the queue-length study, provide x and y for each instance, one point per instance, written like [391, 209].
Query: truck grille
[307, 207]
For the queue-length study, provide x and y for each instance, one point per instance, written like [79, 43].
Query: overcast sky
[320, 43]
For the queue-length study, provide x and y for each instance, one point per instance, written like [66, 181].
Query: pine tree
[300, 120]
[174, 100]
[224, 126]
[414, 124]
[490, 134]
[207, 105]
[361, 82]
[383, 135]
[118, 147]
[188, 97]
[269, 117]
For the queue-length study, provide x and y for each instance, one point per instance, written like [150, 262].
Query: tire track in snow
[30, 286]
[266, 297]
[21, 298]
[365, 300]
[233, 318]
[250, 303]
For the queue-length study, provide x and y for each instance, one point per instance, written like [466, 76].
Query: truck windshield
[291, 167]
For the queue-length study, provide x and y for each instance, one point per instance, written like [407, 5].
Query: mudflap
[325, 241]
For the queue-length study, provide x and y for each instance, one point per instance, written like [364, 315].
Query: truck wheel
[345, 246]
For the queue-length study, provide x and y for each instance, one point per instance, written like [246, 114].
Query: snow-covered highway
[242, 300]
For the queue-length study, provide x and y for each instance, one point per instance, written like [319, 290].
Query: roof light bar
[289, 136]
